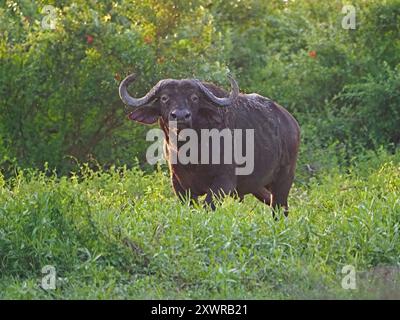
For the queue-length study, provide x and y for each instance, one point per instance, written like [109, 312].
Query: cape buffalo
[199, 105]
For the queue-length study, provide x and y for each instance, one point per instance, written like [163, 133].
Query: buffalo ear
[145, 114]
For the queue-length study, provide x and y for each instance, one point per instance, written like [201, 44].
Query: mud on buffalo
[196, 105]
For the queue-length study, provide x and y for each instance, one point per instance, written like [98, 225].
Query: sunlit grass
[123, 234]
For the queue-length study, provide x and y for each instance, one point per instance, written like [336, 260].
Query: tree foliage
[59, 87]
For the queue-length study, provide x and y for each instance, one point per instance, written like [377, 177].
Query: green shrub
[59, 87]
[372, 108]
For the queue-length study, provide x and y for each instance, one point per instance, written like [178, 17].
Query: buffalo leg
[221, 187]
[183, 194]
[280, 189]
[264, 196]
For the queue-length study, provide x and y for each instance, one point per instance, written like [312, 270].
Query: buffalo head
[184, 101]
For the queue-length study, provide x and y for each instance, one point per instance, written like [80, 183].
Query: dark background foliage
[59, 88]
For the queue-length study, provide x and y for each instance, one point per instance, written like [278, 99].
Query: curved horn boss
[137, 102]
[222, 102]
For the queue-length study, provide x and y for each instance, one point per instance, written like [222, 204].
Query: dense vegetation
[121, 234]
[59, 87]
[117, 233]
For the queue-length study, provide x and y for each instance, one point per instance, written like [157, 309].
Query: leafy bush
[342, 85]
[372, 107]
[60, 87]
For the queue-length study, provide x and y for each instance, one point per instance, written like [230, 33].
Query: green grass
[122, 234]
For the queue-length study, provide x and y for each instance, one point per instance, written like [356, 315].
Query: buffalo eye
[164, 98]
[194, 98]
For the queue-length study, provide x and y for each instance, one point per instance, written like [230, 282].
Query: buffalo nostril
[187, 116]
[173, 115]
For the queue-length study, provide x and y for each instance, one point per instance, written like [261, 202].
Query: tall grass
[122, 234]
